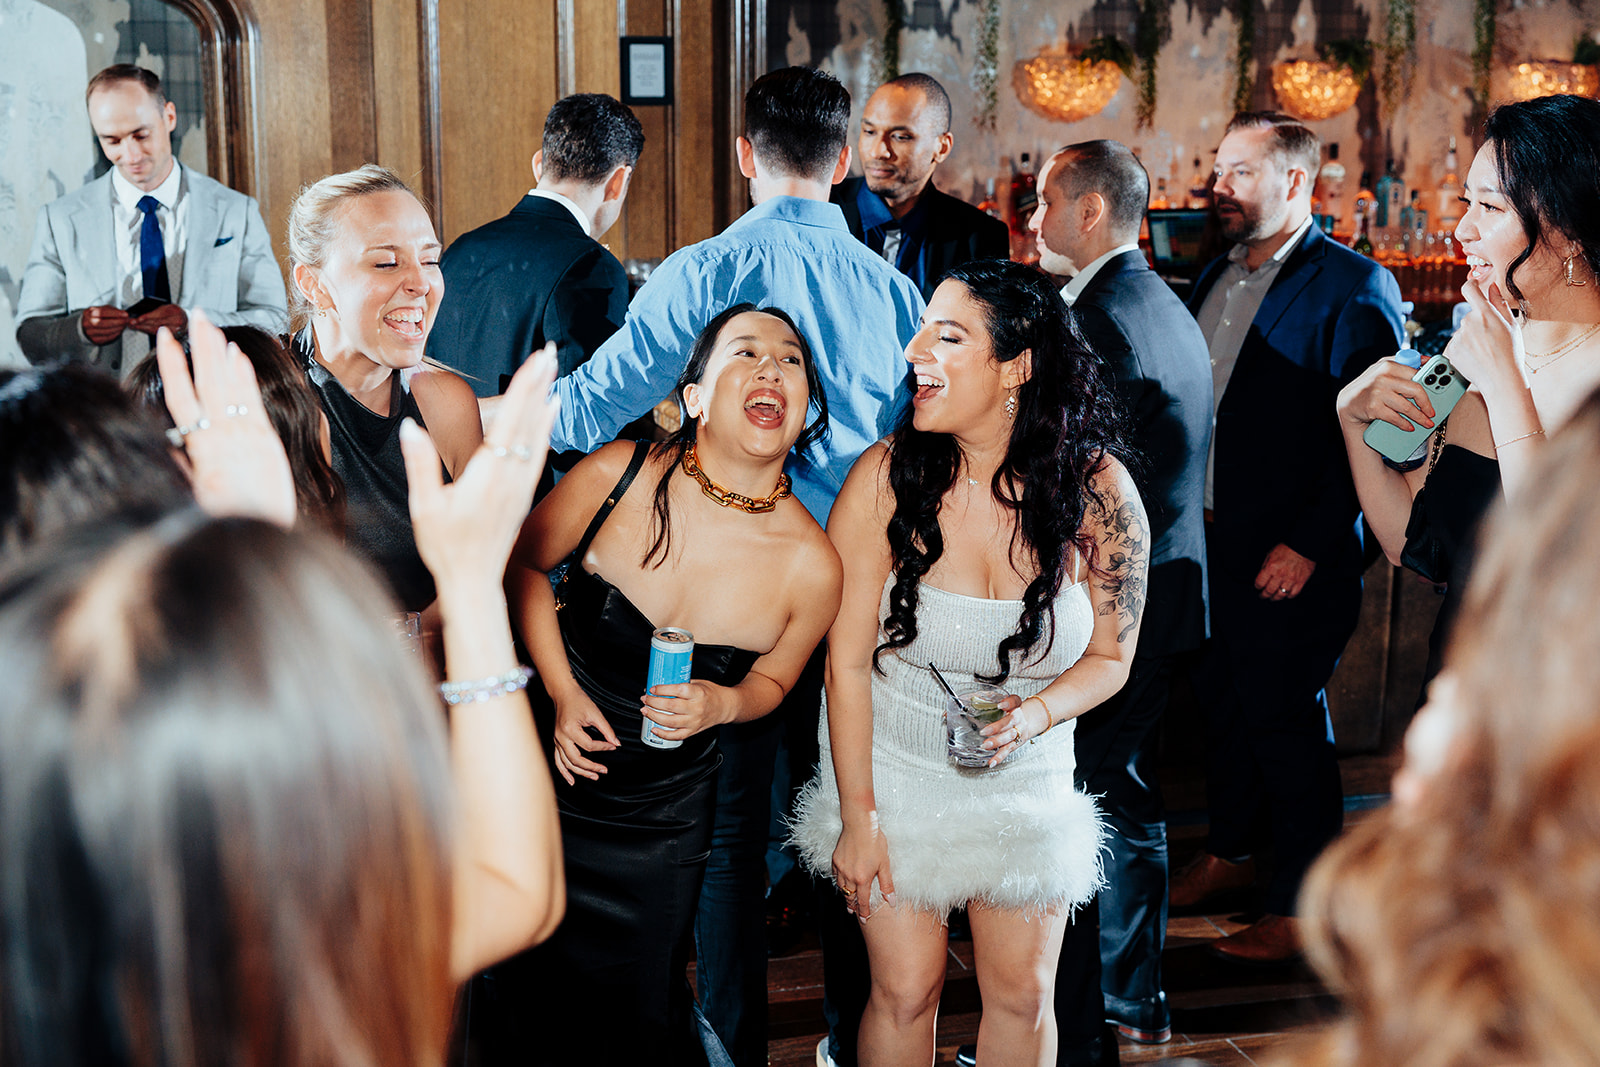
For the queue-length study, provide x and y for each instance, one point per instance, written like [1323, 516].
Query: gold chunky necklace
[727, 497]
[1552, 356]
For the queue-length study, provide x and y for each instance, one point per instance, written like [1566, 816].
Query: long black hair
[1067, 421]
[683, 438]
[1547, 155]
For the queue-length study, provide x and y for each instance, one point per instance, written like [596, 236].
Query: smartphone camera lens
[1429, 380]
[1444, 380]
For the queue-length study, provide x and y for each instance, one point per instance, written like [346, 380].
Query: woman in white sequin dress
[996, 535]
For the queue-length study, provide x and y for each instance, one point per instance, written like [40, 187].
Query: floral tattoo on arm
[1125, 542]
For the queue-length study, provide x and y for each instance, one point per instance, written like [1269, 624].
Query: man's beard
[1244, 226]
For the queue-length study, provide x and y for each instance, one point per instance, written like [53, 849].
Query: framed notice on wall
[647, 70]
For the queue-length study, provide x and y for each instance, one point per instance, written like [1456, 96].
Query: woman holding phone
[1530, 230]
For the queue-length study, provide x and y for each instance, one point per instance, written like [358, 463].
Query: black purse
[1423, 551]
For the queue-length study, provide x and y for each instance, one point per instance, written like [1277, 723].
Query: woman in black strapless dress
[698, 532]
[1531, 346]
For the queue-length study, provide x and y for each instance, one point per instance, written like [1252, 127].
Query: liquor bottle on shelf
[1362, 243]
[1329, 189]
[1199, 188]
[1391, 195]
[1006, 173]
[1024, 195]
[1159, 201]
[988, 205]
[1364, 203]
[1450, 191]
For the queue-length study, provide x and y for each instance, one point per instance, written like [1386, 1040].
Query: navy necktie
[152, 253]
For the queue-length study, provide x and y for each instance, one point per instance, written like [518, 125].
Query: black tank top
[366, 454]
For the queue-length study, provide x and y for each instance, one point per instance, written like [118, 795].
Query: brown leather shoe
[1272, 939]
[1206, 877]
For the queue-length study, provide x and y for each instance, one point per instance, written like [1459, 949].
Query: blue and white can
[671, 651]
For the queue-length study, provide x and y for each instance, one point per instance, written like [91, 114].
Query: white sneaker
[823, 1059]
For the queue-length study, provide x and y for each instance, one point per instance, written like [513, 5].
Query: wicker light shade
[1548, 77]
[1312, 89]
[1060, 85]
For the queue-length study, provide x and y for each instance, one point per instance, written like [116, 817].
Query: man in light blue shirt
[793, 251]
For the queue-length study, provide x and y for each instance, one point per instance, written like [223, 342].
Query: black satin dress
[1459, 491]
[610, 986]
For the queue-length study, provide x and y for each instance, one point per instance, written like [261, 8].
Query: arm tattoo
[1126, 577]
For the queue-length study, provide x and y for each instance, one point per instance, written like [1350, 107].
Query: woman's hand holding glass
[1025, 720]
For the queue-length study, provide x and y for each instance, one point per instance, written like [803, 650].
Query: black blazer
[519, 281]
[1159, 360]
[1281, 475]
[957, 232]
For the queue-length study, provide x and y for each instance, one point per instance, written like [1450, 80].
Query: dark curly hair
[1067, 421]
[684, 437]
[1547, 157]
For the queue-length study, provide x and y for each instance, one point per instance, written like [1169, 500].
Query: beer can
[671, 651]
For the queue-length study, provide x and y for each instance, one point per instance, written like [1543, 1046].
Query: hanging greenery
[1354, 56]
[894, 20]
[1244, 58]
[986, 64]
[1399, 51]
[1586, 50]
[1483, 12]
[1150, 33]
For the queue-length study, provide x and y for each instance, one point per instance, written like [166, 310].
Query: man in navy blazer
[149, 229]
[1092, 199]
[894, 207]
[1290, 317]
[540, 273]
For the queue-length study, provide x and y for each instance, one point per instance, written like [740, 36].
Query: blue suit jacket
[1281, 475]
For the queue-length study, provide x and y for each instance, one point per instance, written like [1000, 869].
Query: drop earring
[1011, 405]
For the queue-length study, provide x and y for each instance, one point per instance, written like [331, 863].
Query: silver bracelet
[485, 688]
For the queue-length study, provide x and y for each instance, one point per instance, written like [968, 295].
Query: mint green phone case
[1445, 386]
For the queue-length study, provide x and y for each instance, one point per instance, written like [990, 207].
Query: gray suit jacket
[228, 268]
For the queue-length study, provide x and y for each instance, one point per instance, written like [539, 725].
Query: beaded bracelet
[486, 688]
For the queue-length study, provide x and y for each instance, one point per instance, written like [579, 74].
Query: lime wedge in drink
[984, 711]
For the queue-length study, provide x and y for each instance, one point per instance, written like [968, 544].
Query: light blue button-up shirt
[855, 311]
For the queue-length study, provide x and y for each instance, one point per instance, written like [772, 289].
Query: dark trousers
[1115, 746]
[730, 931]
[1269, 737]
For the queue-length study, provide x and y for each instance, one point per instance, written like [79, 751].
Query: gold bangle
[1498, 445]
[1049, 719]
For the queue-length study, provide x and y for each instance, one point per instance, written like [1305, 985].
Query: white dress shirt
[1226, 316]
[1080, 281]
[564, 202]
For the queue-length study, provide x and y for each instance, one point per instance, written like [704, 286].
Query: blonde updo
[314, 222]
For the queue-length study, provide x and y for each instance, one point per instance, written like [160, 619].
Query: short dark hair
[1294, 144]
[798, 120]
[1111, 169]
[1547, 157]
[587, 136]
[118, 73]
[938, 100]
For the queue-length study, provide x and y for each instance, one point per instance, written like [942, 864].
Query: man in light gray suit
[122, 257]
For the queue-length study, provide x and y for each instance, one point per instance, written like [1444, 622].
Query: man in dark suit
[539, 274]
[1290, 317]
[895, 208]
[1092, 199]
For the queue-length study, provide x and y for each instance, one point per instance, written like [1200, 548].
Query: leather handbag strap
[641, 449]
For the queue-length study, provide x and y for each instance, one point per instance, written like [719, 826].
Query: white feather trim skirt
[1018, 835]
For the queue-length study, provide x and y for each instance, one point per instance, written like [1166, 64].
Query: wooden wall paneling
[396, 59]
[498, 77]
[697, 133]
[596, 67]
[292, 106]
[650, 211]
[747, 36]
[353, 124]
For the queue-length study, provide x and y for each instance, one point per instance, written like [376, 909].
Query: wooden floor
[1223, 1014]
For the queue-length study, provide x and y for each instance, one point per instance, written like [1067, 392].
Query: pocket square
[222, 241]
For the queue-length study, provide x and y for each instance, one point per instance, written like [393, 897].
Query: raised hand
[238, 466]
